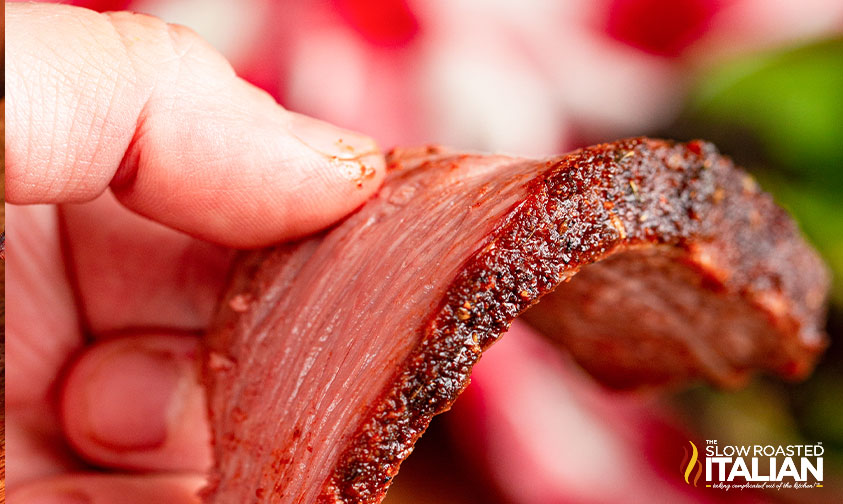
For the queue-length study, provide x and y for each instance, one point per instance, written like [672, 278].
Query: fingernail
[130, 396]
[337, 143]
[56, 496]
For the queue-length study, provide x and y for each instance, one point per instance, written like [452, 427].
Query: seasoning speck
[240, 302]
[618, 225]
[219, 362]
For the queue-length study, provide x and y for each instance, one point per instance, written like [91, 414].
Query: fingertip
[226, 163]
[135, 403]
[247, 177]
[345, 169]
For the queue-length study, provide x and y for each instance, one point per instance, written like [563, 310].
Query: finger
[132, 272]
[111, 489]
[150, 109]
[136, 403]
[43, 331]
[41, 320]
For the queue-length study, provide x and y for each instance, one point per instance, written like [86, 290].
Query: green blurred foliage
[792, 100]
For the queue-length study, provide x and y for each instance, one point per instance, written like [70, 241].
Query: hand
[113, 117]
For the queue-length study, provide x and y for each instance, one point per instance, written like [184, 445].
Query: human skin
[135, 160]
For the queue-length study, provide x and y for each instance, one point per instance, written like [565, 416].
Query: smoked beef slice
[330, 356]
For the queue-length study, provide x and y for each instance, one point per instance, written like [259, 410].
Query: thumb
[127, 101]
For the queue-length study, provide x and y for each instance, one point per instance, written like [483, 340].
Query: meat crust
[330, 356]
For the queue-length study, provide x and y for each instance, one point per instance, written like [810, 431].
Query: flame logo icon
[688, 466]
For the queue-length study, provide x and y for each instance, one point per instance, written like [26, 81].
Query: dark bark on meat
[330, 356]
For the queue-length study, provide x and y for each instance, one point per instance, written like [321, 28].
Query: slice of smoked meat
[656, 263]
